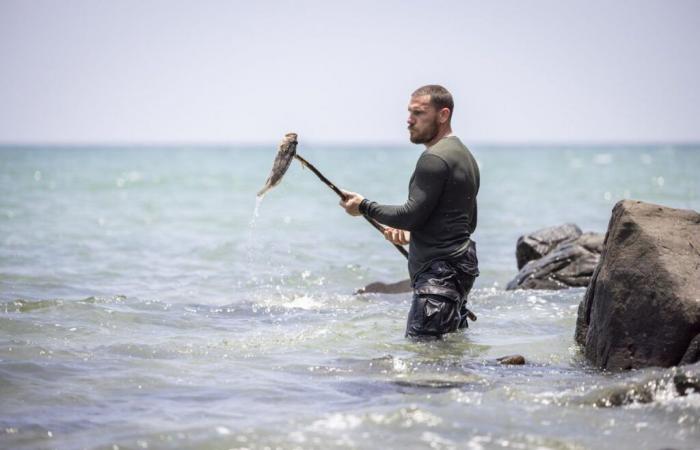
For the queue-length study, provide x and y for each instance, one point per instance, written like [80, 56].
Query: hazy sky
[247, 71]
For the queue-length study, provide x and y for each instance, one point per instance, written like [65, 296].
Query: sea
[148, 299]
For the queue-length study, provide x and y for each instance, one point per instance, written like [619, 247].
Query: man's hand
[351, 203]
[396, 236]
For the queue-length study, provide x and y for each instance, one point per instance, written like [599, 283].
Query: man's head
[429, 114]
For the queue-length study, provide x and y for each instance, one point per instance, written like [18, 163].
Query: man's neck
[446, 132]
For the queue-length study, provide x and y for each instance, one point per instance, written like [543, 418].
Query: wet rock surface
[556, 258]
[642, 307]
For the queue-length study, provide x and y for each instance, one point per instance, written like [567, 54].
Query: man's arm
[352, 206]
[428, 183]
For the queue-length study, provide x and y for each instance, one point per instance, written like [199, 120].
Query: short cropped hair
[439, 96]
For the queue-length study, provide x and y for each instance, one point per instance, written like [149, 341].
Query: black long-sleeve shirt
[441, 208]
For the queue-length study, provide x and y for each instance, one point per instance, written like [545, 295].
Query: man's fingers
[401, 238]
[350, 202]
[348, 195]
[396, 236]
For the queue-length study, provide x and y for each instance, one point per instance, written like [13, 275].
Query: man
[437, 220]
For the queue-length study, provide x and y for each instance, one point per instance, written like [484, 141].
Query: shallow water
[144, 305]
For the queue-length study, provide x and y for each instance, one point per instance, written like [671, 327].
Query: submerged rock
[436, 384]
[556, 258]
[513, 360]
[642, 307]
[386, 288]
[674, 382]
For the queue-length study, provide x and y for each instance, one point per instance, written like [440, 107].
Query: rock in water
[537, 244]
[562, 257]
[379, 287]
[642, 307]
[657, 384]
[512, 360]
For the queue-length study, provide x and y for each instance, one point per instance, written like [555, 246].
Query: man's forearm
[423, 196]
[404, 217]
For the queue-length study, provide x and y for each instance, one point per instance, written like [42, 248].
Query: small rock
[513, 360]
[386, 288]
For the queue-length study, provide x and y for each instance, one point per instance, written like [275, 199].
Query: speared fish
[285, 155]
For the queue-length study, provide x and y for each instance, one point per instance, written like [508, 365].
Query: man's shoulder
[432, 162]
[448, 148]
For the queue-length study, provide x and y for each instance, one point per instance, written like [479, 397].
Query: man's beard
[426, 136]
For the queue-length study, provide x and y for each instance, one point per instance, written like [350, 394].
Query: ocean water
[148, 301]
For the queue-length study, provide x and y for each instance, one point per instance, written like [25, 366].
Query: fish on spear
[286, 153]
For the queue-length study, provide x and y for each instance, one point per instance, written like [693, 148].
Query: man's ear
[444, 115]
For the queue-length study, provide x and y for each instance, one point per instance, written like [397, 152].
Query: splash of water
[256, 211]
[250, 252]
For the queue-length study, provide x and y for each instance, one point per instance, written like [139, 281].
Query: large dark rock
[642, 307]
[562, 257]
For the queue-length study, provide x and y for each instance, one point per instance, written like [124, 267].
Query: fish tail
[262, 191]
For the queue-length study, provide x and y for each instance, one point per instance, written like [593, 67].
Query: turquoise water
[143, 304]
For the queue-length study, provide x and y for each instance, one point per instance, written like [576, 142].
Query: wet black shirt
[440, 211]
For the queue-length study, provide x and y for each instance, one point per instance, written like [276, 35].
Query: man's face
[422, 120]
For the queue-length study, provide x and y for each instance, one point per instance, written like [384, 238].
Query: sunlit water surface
[147, 301]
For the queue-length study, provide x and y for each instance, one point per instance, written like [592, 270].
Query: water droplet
[256, 211]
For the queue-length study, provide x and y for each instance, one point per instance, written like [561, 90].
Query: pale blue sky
[243, 71]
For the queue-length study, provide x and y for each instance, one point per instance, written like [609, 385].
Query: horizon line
[363, 143]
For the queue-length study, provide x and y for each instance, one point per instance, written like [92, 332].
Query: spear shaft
[335, 189]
